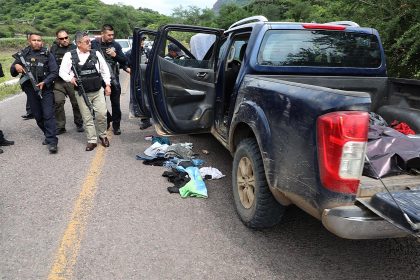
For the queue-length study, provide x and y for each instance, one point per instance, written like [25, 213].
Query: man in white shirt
[93, 71]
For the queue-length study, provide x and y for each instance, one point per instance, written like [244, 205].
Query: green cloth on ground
[196, 186]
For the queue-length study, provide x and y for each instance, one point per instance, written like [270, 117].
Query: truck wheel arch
[241, 131]
[248, 121]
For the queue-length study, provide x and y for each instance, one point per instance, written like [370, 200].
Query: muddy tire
[254, 201]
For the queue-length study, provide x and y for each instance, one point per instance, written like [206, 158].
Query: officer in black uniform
[45, 70]
[114, 56]
[63, 89]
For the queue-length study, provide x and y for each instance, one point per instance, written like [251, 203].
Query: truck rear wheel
[254, 201]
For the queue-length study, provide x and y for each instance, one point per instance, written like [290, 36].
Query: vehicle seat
[230, 78]
[242, 52]
[231, 74]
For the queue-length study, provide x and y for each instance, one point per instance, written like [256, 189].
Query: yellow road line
[66, 255]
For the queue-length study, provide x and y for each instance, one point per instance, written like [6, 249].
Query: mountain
[19, 17]
[220, 3]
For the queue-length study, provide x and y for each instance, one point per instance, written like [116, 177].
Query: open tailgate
[384, 206]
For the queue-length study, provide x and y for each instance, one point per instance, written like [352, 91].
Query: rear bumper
[354, 222]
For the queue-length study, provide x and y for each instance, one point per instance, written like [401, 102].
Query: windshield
[320, 48]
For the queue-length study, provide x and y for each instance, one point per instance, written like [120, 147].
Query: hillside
[220, 3]
[46, 16]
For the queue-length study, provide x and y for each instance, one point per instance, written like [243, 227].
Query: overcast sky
[164, 6]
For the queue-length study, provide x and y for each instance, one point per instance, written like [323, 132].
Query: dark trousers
[1, 136]
[28, 107]
[43, 110]
[115, 105]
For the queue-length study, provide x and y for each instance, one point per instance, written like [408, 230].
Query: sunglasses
[64, 38]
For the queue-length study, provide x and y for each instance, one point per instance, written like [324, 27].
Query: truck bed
[370, 186]
[377, 87]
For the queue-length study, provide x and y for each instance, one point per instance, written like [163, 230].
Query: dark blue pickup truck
[291, 102]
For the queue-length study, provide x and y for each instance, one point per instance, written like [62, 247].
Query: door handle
[201, 74]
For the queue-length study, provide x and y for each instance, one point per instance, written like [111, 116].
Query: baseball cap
[173, 47]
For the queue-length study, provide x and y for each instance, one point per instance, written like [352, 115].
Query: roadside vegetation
[6, 60]
[8, 90]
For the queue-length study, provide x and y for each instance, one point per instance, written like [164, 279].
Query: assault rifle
[19, 57]
[81, 90]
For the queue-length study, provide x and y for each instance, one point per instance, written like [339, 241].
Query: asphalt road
[105, 215]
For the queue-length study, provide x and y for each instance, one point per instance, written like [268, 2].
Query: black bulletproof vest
[108, 58]
[38, 63]
[59, 52]
[90, 77]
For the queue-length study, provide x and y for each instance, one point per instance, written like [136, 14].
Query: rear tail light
[342, 138]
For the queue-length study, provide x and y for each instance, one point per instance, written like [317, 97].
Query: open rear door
[181, 81]
[143, 41]
[392, 209]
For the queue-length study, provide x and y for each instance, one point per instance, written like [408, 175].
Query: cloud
[163, 6]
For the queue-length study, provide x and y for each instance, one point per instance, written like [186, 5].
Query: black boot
[3, 141]
[145, 123]
[28, 116]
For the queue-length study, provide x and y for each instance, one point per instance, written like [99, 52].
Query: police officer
[63, 89]
[174, 52]
[45, 70]
[28, 114]
[112, 52]
[92, 70]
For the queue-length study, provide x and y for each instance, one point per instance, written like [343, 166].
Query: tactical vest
[113, 64]
[37, 63]
[59, 52]
[90, 77]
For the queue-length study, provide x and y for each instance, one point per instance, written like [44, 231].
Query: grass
[6, 60]
[6, 90]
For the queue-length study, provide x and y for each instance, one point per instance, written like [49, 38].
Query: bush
[20, 43]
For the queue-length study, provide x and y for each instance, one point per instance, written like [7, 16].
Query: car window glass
[146, 44]
[321, 48]
[123, 43]
[222, 48]
[189, 49]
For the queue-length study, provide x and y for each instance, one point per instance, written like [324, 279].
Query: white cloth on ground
[155, 149]
[214, 172]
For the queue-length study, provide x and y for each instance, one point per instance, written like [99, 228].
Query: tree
[229, 14]
[193, 16]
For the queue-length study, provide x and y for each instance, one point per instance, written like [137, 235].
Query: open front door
[181, 79]
[143, 41]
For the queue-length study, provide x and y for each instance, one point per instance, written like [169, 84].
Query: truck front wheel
[254, 201]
